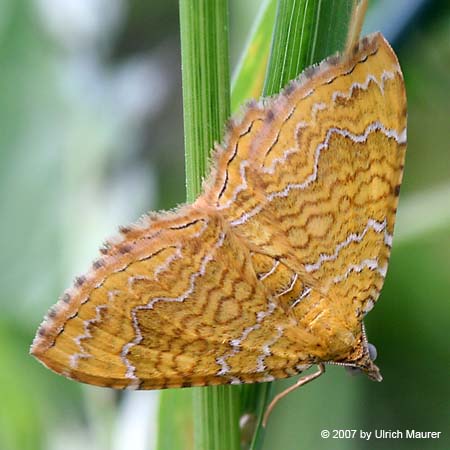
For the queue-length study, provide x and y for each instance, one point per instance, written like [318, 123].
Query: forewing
[316, 185]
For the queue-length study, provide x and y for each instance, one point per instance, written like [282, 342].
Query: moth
[274, 266]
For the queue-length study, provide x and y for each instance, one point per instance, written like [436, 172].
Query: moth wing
[175, 302]
[312, 178]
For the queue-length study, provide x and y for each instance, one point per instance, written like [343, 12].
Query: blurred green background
[91, 137]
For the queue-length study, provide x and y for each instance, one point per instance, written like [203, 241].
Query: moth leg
[300, 382]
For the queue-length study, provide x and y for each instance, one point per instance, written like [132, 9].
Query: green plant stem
[206, 83]
[305, 33]
[206, 105]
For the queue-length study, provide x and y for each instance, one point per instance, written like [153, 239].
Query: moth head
[367, 366]
[364, 363]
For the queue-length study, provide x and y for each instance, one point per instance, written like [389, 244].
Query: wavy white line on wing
[260, 362]
[320, 106]
[378, 227]
[400, 138]
[87, 334]
[237, 343]
[386, 75]
[130, 373]
[303, 294]
[241, 187]
[356, 138]
[269, 272]
[370, 263]
[166, 264]
[290, 287]
[284, 157]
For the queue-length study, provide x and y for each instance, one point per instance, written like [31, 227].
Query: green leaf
[248, 80]
[175, 420]
[206, 83]
[305, 33]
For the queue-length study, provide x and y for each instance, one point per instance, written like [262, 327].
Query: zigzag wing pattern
[273, 268]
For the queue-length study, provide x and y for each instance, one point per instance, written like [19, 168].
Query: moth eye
[372, 351]
[372, 355]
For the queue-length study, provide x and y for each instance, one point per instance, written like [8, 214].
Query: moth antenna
[356, 23]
